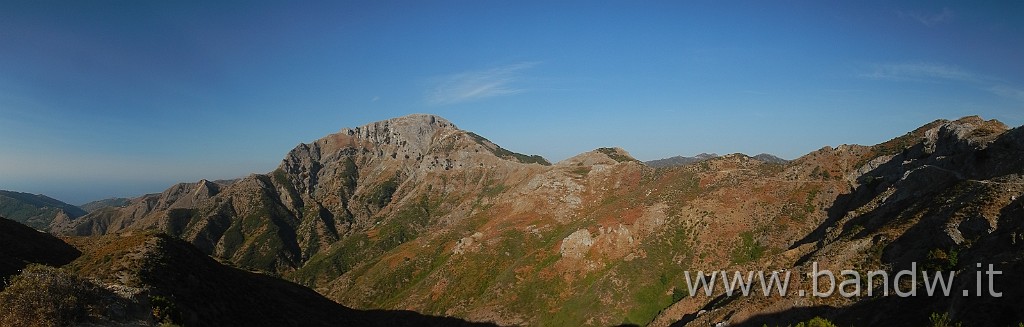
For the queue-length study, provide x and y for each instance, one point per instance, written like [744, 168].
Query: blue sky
[120, 98]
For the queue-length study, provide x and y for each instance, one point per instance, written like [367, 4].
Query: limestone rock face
[961, 135]
[321, 192]
[576, 244]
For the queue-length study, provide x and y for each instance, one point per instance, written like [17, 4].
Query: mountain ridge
[395, 213]
[91, 206]
[36, 210]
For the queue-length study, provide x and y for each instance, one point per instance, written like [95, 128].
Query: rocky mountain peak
[409, 143]
[411, 135]
[412, 129]
[964, 133]
[600, 156]
[770, 158]
[705, 156]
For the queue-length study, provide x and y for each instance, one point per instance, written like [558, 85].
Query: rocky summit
[415, 214]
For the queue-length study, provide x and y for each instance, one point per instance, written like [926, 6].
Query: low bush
[47, 296]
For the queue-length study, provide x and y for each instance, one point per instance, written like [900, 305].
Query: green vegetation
[47, 296]
[165, 311]
[642, 285]
[678, 294]
[105, 203]
[816, 322]
[799, 211]
[809, 206]
[871, 182]
[895, 145]
[335, 261]
[353, 251]
[492, 190]
[704, 165]
[280, 178]
[939, 260]
[820, 173]
[503, 153]
[382, 194]
[36, 211]
[108, 254]
[898, 144]
[942, 320]
[581, 171]
[408, 223]
[349, 176]
[748, 249]
[263, 238]
[177, 219]
[615, 155]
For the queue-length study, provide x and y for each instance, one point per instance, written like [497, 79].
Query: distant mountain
[21, 245]
[683, 161]
[680, 160]
[100, 204]
[770, 159]
[413, 213]
[36, 210]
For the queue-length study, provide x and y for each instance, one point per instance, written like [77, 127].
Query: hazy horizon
[127, 98]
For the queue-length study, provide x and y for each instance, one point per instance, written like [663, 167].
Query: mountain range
[100, 204]
[36, 210]
[417, 215]
[682, 161]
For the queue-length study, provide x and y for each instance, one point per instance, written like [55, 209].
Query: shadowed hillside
[21, 245]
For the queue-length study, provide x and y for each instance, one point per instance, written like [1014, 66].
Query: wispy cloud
[929, 19]
[921, 72]
[476, 85]
[1007, 91]
[938, 73]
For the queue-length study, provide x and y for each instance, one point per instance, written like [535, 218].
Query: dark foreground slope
[188, 287]
[145, 278]
[21, 245]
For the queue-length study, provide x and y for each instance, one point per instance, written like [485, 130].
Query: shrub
[164, 311]
[678, 295]
[382, 195]
[817, 322]
[942, 320]
[748, 250]
[615, 155]
[47, 296]
[820, 322]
